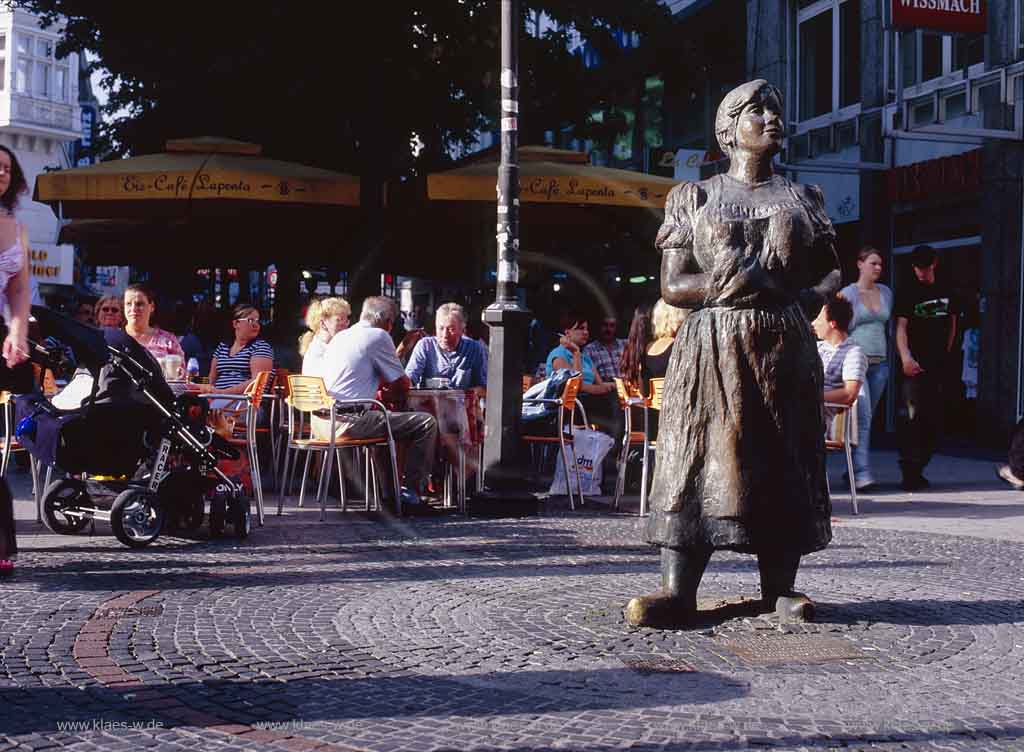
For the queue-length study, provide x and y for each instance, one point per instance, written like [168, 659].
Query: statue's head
[732, 107]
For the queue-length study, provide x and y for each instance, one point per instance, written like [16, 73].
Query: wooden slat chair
[841, 436]
[630, 400]
[308, 395]
[568, 403]
[245, 432]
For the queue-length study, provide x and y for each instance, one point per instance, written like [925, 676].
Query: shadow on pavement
[922, 613]
[488, 694]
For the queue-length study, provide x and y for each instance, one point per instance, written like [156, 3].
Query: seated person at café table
[139, 307]
[844, 363]
[450, 355]
[324, 319]
[357, 363]
[597, 396]
[235, 365]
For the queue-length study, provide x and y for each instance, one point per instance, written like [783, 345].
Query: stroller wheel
[136, 518]
[218, 513]
[241, 517]
[63, 501]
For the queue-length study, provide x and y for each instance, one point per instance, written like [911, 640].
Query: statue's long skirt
[741, 453]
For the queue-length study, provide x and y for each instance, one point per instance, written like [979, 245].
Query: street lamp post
[506, 317]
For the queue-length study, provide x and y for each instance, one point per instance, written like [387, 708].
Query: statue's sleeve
[682, 283]
[824, 276]
[676, 232]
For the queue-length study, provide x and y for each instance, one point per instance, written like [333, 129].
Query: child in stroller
[131, 439]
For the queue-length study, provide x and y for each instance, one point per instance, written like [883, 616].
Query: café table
[460, 431]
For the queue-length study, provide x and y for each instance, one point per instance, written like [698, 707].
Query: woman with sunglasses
[109, 312]
[235, 365]
[139, 306]
[15, 372]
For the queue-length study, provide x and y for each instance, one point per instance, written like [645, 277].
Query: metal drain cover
[647, 666]
[772, 649]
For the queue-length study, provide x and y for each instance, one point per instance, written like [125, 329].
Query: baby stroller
[131, 441]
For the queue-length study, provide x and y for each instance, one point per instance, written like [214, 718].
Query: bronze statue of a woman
[741, 455]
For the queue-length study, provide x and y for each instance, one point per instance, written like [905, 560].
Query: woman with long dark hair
[15, 372]
[631, 362]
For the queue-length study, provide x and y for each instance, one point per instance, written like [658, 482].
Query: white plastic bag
[591, 449]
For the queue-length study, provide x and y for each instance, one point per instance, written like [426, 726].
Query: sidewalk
[966, 498]
[367, 632]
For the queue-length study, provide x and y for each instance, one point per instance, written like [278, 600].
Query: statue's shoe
[661, 610]
[794, 608]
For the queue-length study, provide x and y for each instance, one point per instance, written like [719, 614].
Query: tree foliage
[349, 85]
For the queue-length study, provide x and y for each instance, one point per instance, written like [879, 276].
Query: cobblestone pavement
[368, 633]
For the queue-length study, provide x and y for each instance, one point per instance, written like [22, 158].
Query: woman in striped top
[235, 365]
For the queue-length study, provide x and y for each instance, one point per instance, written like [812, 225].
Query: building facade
[39, 120]
[913, 128]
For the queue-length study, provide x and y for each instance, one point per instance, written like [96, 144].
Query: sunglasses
[110, 309]
[251, 322]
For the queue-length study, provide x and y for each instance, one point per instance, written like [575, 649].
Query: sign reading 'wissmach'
[964, 16]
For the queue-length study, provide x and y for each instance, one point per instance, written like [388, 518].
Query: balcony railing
[40, 112]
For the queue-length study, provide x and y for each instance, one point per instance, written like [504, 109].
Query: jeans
[867, 403]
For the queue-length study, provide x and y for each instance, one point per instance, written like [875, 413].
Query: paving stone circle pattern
[368, 633]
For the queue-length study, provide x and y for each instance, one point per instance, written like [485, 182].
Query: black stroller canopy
[86, 342]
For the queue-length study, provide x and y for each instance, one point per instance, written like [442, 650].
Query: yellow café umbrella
[552, 176]
[194, 176]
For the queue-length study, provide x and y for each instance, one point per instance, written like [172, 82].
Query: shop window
[652, 109]
[908, 58]
[24, 71]
[60, 84]
[828, 56]
[968, 49]
[41, 80]
[926, 55]
[955, 106]
[924, 113]
[849, 68]
[815, 76]
[931, 55]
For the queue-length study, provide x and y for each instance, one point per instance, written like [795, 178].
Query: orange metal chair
[629, 400]
[567, 403]
[655, 392]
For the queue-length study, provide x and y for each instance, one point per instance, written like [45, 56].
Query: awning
[206, 175]
[553, 176]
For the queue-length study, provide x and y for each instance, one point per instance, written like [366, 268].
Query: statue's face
[759, 127]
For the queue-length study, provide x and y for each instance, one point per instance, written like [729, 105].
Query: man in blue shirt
[450, 355]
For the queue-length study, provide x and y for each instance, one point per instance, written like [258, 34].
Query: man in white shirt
[355, 364]
[843, 363]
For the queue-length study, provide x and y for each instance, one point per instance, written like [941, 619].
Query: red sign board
[946, 176]
[963, 16]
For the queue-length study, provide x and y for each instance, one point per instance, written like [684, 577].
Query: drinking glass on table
[173, 367]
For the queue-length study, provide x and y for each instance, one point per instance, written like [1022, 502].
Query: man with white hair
[449, 355]
[358, 362]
